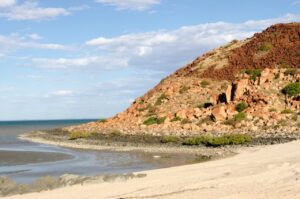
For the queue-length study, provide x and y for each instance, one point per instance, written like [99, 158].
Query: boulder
[219, 113]
[228, 93]
[266, 76]
[239, 88]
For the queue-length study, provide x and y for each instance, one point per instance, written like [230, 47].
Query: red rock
[266, 76]
[228, 93]
[219, 113]
[239, 88]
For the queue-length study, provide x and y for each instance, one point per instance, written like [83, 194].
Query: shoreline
[269, 172]
[62, 141]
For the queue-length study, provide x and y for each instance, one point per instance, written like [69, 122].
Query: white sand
[264, 172]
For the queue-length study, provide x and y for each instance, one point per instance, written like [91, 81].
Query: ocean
[25, 161]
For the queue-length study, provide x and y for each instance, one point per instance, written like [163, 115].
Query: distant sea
[25, 161]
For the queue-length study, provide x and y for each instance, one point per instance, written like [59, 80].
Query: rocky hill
[250, 86]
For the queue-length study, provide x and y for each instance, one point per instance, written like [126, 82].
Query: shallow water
[25, 161]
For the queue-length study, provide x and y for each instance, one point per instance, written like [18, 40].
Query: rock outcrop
[237, 87]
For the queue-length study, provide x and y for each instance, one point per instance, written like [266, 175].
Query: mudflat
[258, 172]
[11, 158]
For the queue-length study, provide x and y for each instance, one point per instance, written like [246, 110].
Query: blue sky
[92, 58]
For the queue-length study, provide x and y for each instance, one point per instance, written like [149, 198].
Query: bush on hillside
[292, 89]
[241, 107]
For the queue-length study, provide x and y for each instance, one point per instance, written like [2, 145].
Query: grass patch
[272, 110]
[230, 139]
[160, 99]
[205, 83]
[79, 135]
[154, 120]
[240, 116]
[183, 89]
[175, 119]
[170, 139]
[265, 47]
[142, 101]
[287, 111]
[292, 89]
[253, 73]
[241, 107]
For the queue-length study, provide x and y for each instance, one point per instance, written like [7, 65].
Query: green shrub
[272, 110]
[161, 120]
[287, 111]
[154, 120]
[102, 120]
[253, 73]
[200, 105]
[183, 89]
[240, 116]
[79, 134]
[169, 139]
[266, 46]
[160, 99]
[175, 119]
[241, 107]
[205, 83]
[230, 139]
[150, 121]
[141, 101]
[292, 89]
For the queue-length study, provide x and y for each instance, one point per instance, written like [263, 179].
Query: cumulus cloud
[7, 3]
[166, 50]
[35, 36]
[161, 50]
[15, 42]
[81, 63]
[29, 10]
[61, 93]
[130, 4]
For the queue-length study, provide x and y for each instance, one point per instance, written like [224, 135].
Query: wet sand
[11, 158]
[269, 172]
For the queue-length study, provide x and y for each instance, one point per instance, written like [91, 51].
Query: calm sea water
[25, 161]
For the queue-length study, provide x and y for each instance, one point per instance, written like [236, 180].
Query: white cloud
[30, 10]
[35, 36]
[7, 3]
[14, 42]
[80, 63]
[62, 93]
[167, 50]
[139, 5]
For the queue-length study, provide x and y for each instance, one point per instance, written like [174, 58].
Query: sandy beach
[259, 172]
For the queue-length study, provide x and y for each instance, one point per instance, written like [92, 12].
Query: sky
[62, 59]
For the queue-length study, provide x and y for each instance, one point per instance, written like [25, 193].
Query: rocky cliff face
[237, 87]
